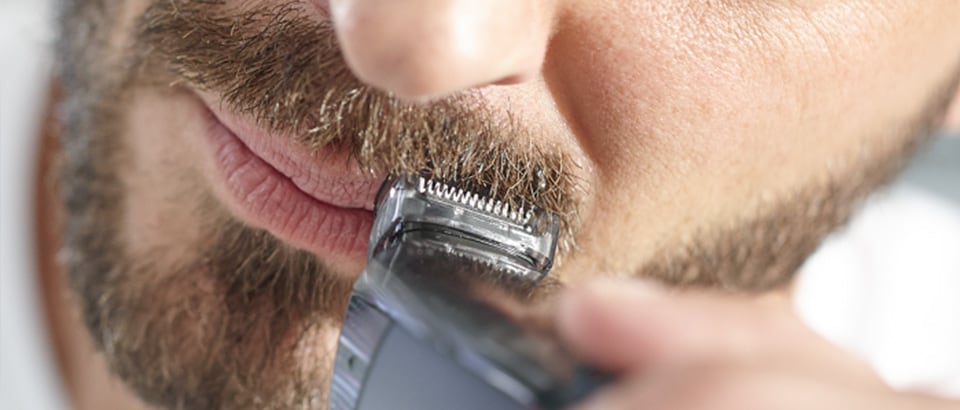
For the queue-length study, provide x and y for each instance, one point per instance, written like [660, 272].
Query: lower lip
[265, 198]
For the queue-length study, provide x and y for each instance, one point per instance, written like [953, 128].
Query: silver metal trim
[364, 327]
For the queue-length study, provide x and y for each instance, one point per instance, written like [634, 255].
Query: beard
[245, 321]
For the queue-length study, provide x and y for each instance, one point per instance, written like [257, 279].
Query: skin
[709, 351]
[655, 93]
[700, 132]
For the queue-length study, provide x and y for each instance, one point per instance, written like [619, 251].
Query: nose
[419, 49]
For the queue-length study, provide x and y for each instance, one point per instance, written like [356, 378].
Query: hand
[686, 351]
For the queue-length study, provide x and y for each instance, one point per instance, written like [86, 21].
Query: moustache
[283, 68]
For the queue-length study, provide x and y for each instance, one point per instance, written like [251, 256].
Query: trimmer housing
[418, 335]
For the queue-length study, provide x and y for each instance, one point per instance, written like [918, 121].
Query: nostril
[513, 79]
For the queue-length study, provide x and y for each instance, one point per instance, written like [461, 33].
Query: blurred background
[898, 309]
[28, 378]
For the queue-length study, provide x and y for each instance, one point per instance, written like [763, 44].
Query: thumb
[632, 325]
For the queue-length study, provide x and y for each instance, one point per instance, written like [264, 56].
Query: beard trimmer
[418, 335]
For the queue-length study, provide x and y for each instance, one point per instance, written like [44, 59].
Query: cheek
[666, 89]
[690, 112]
[660, 88]
[166, 215]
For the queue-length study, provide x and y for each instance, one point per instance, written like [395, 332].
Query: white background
[26, 370]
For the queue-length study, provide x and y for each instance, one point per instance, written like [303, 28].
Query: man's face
[221, 158]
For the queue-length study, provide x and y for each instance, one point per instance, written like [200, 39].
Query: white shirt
[887, 287]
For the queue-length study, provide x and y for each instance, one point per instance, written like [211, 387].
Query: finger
[727, 387]
[620, 325]
[696, 388]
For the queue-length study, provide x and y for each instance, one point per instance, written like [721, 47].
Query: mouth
[318, 201]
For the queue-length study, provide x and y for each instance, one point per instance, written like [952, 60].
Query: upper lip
[329, 175]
